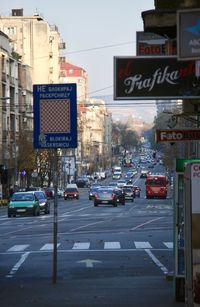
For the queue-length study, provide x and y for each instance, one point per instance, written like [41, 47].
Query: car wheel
[9, 215]
[115, 205]
[38, 212]
[95, 205]
[132, 200]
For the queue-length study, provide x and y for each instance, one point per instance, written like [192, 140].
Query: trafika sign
[177, 135]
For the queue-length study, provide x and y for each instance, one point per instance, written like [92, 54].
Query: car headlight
[42, 204]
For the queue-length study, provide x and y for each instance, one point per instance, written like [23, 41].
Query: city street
[100, 249]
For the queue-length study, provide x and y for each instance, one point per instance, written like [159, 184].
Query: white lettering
[171, 136]
[158, 77]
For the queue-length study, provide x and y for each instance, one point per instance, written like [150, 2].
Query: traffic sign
[55, 116]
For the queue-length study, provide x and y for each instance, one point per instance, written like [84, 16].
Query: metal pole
[55, 220]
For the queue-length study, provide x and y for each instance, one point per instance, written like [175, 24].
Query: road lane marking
[168, 244]
[84, 226]
[148, 222]
[142, 244]
[156, 261]
[18, 265]
[48, 247]
[81, 245]
[112, 245]
[18, 248]
[89, 263]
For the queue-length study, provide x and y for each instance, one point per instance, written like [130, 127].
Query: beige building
[37, 42]
[16, 106]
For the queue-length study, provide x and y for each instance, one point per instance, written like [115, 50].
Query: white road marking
[89, 262]
[142, 244]
[81, 245]
[148, 222]
[17, 265]
[18, 248]
[112, 245]
[168, 244]
[156, 261]
[48, 247]
[84, 226]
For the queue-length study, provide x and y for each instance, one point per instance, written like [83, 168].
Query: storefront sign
[154, 78]
[188, 34]
[177, 135]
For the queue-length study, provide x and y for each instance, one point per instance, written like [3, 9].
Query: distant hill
[121, 109]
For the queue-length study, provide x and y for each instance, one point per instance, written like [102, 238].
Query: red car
[71, 193]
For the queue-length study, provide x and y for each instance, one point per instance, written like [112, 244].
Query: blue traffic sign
[55, 115]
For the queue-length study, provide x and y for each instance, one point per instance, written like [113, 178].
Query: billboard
[157, 77]
[188, 32]
[177, 135]
[55, 116]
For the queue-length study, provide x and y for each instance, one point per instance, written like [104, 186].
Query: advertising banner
[177, 135]
[154, 78]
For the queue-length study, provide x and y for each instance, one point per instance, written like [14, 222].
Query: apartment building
[37, 43]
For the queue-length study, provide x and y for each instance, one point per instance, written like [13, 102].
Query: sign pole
[55, 223]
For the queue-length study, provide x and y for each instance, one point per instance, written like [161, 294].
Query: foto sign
[55, 116]
[154, 78]
[177, 135]
[188, 34]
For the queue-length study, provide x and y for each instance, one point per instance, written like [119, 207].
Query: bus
[156, 186]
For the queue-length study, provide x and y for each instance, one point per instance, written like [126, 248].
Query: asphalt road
[106, 256]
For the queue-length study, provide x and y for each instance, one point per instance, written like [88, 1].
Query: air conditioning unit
[23, 93]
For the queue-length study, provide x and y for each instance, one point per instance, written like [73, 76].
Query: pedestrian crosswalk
[82, 246]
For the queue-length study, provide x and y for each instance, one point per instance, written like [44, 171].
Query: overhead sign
[177, 135]
[188, 34]
[154, 78]
[55, 116]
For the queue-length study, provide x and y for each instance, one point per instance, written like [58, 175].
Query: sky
[94, 32]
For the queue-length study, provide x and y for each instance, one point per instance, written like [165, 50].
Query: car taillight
[113, 196]
[96, 196]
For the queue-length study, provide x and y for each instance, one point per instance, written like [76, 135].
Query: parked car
[49, 192]
[71, 193]
[24, 203]
[136, 190]
[43, 202]
[128, 193]
[105, 195]
[120, 196]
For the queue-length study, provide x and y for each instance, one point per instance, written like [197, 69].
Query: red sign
[177, 135]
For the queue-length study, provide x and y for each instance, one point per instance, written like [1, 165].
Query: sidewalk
[135, 291]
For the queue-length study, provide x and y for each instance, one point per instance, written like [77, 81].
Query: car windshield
[156, 182]
[71, 190]
[40, 195]
[127, 190]
[22, 197]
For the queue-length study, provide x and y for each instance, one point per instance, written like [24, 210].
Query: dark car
[92, 191]
[136, 191]
[128, 193]
[43, 202]
[71, 193]
[120, 196]
[105, 196]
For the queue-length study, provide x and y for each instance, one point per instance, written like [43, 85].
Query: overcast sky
[91, 24]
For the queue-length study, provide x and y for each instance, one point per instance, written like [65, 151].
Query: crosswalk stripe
[48, 246]
[81, 245]
[168, 244]
[142, 244]
[18, 248]
[112, 245]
